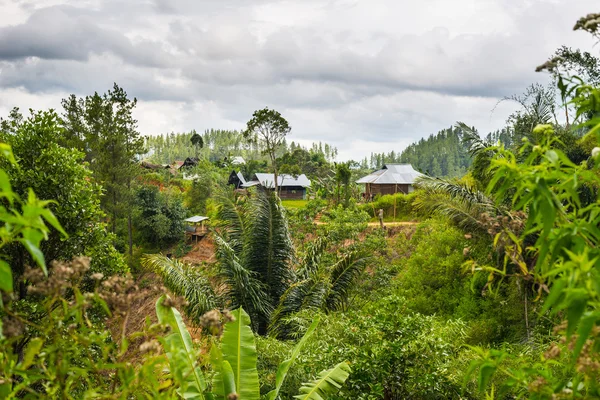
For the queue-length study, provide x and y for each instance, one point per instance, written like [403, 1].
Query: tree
[197, 141]
[159, 220]
[257, 268]
[342, 177]
[57, 173]
[269, 128]
[104, 128]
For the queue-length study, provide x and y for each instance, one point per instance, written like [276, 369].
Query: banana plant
[234, 362]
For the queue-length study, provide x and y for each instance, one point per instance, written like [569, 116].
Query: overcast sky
[363, 75]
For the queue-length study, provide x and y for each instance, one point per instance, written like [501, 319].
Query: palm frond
[186, 281]
[268, 248]
[306, 294]
[343, 277]
[472, 139]
[244, 289]
[231, 211]
[459, 202]
[312, 258]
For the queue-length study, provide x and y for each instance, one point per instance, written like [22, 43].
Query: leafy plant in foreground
[234, 363]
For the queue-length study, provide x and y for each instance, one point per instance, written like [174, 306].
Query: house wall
[292, 193]
[373, 189]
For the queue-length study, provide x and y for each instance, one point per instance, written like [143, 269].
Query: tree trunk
[129, 224]
[274, 163]
[129, 232]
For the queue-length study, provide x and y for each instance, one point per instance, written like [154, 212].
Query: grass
[294, 204]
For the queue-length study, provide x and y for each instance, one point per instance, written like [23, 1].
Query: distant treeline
[444, 154]
[217, 145]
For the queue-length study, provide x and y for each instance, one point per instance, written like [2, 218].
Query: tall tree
[197, 141]
[270, 129]
[104, 128]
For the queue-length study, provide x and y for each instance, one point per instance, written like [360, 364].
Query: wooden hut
[195, 228]
[392, 178]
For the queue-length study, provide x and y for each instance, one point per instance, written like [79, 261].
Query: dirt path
[396, 223]
[376, 224]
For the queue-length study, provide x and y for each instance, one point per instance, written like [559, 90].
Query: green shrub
[393, 353]
[403, 205]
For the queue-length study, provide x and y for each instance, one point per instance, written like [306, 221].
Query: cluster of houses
[392, 178]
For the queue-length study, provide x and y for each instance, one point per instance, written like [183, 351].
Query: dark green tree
[57, 173]
[268, 128]
[197, 142]
[104, 128]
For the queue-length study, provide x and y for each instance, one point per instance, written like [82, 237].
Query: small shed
[190, 162]
[195, 228]
[392, 178]
[236, 179]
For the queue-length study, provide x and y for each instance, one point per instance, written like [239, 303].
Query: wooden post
[395, 193]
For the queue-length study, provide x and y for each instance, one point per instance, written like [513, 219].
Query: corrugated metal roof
[392, 174]
[241, 177]
[196, 218]
[238, 160]
[267, 180]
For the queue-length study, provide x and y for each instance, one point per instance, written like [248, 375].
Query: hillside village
[252, 263]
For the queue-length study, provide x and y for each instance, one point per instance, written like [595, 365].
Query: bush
[393, 353]
[434, 281]
[403, 202]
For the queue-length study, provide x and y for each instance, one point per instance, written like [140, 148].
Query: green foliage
[234, 361]
[104, 129]
[56, 173]
[393, 353]
[399, 205]
[185, 281]
[328, 382]
[180, 351]
[270, 129]
[159, 220]
[342, 224]
[68, 352]
[239, 350]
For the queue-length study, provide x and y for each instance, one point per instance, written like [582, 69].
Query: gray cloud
[65, 33]
[344, 70]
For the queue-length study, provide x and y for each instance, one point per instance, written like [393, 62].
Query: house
[236, 179]
[190, 162]
[393, 178]
[290, 187]
[238, 160]
[149, 165]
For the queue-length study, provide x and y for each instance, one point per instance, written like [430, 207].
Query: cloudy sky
[364, 75]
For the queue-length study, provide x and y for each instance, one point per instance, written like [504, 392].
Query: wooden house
[392, 178]
[236, 179]
[290, 187]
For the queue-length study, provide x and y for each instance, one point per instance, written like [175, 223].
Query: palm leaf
[243, 287]
[268, 248]
[342, 278]
[312, 259]
[329, 382]
[239, 350]
[231, 210]
[284, 367]
[459, 202]
[184, 280]
[306, 294]
[180, 352]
